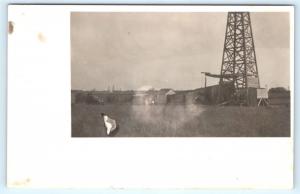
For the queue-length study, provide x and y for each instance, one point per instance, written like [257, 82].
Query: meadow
[182, 120]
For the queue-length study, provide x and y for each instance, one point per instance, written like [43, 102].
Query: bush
[278, 89]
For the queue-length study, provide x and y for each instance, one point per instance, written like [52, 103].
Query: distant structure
[151, 96]
[239, 65]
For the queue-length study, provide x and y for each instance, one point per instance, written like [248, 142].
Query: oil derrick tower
[239, 65]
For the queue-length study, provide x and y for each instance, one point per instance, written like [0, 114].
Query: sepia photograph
[190, 74]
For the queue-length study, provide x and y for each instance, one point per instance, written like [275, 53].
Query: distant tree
[278, 89]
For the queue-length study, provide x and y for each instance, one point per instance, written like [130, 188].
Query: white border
[39, 140]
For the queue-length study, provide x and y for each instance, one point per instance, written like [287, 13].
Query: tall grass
[182, 121]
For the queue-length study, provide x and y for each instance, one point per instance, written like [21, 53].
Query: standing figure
[110, 125]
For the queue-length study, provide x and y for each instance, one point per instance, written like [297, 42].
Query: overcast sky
[168, 50]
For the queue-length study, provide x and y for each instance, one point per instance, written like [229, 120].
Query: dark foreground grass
[182, 121]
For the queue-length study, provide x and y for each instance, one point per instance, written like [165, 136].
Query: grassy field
[182, 121]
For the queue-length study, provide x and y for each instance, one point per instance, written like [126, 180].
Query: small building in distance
[161, 97]
[177, 98]
[152, 97]
[142, 98]
[196, 96]
[217, 94]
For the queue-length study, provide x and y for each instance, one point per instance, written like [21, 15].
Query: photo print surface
[193, 74]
